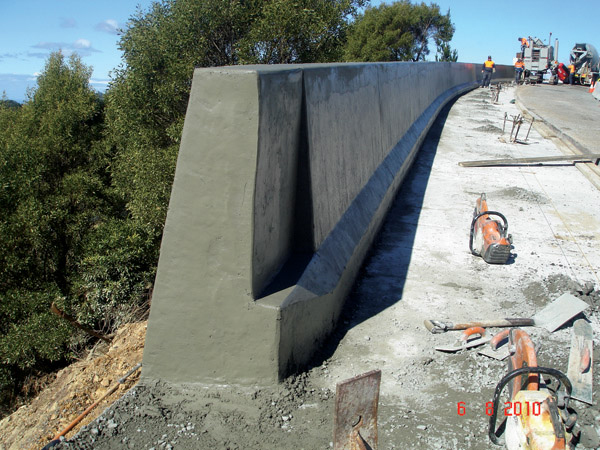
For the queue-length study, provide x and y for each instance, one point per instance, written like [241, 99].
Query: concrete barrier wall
[284, 176]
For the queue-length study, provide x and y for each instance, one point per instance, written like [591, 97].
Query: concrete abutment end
[284, 176]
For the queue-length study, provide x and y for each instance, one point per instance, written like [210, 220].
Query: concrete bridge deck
[567, 115]
[571, 112]
[420, 268]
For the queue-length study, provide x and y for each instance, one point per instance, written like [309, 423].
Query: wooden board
[581, 345]
[535, 160]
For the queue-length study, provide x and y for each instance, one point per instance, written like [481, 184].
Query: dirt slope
[74, 389]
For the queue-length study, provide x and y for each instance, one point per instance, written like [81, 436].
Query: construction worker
[571, 68]
[524, 44]
[488, 68]
[519, 65]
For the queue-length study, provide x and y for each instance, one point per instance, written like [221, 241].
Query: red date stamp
[510, 408]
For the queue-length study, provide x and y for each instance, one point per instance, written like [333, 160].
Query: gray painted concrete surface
[571, 111]
[283, 178]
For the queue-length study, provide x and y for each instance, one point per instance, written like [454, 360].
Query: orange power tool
[534, 419]
[489, 238]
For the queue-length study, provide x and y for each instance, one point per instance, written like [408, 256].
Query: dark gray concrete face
[278, 147]
[284, 176]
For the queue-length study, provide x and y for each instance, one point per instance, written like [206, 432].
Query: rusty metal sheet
[355, 421]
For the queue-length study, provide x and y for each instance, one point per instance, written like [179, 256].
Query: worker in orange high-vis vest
[571, 68]
[524, 44]
[489, 67]
[519, 66]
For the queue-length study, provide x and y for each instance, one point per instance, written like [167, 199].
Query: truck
[587, 63]
[538, 58]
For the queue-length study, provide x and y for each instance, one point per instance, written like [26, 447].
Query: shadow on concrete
[302, 242]
[381, 279]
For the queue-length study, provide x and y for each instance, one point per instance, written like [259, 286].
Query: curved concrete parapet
[284, 176]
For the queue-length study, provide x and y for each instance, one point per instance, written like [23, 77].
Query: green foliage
[399, 31]
[54, 192]
[115, 273]
[445, 54]
[147, 100]
[30, 333]
[53, 179]
[298, 31]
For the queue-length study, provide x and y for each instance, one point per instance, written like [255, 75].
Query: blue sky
[31, 29]
[492, 28]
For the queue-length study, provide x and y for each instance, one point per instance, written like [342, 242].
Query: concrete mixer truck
[587, 63]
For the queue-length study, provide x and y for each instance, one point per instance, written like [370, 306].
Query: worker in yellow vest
[571, 68]
[488, 68]
[519, 66]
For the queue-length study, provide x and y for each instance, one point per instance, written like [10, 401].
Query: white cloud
[82, 44]
[110, 26]
[99, 85]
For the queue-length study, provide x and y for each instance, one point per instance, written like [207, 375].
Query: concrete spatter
[429, 274]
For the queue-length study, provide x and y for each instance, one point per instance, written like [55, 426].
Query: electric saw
[488, 237]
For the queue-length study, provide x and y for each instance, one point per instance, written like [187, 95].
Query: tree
[54, 192]
[298, 31]
[400, 31]
[446, 54]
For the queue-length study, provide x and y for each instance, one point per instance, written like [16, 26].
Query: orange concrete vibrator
[488, 237]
